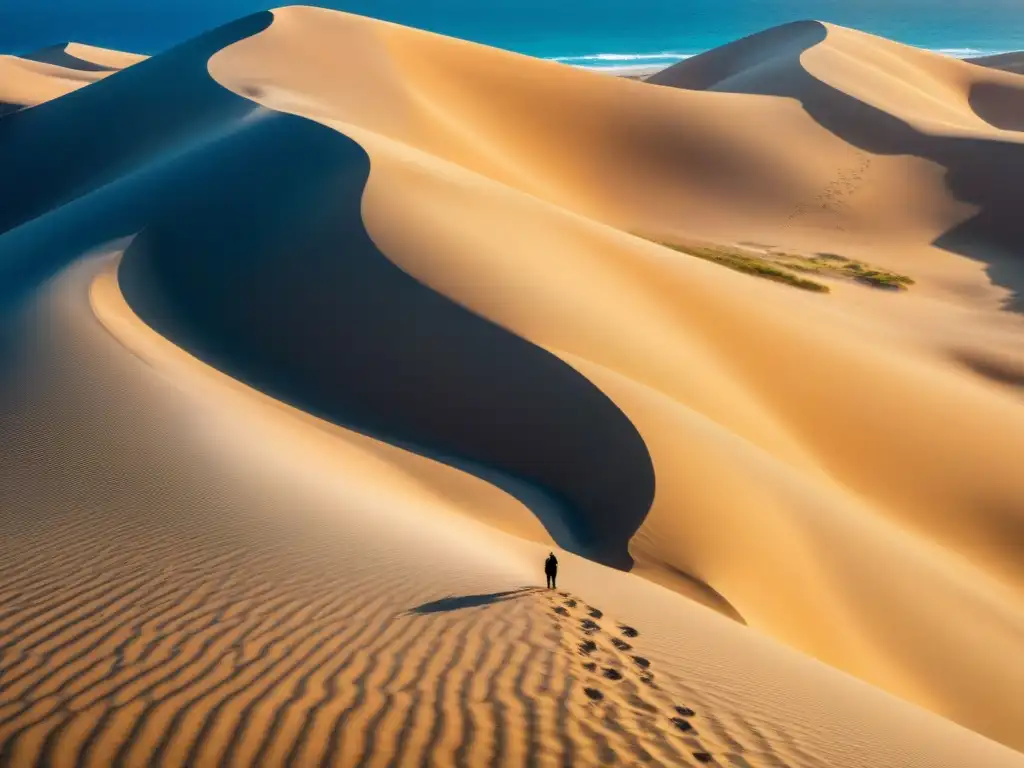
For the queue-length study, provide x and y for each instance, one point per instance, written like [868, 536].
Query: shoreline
[631, 73]
[643, 71]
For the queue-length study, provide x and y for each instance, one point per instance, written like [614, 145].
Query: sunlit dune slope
[419, 261]
[196, 575]
[760, 420]
[51, 72]
[87, 58]
[890, 101]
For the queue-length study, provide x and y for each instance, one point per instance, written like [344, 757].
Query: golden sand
[320, 319]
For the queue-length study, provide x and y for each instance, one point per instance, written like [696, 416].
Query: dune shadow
[64, 149]
[265, 270]
[58, 55]
[740, 66]
[999, 105]
[447, 604]
[985, 173]
[1007, 62]
[1000, 371]
[253, 256]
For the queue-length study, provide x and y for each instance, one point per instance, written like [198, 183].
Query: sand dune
[87, 58]
[389, 318]
[51, 72]
[216, 577]
[1009, 62]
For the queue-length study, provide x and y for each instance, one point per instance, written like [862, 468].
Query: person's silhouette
[551, 569]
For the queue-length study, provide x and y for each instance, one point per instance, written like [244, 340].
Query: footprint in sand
[628, 631]
[641, 662]
[685, 712]
[593, 694]
[590, 666]
[681, 724]
[648, 680]
[571, 603]
[612, 674]
[587, 647]
[702, 757]
[622, 645]
[561, 611]
[590, 626]
[594, 613]
[642, 705]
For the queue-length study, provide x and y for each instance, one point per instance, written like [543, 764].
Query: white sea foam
[961, 53]
[624, 62]
[616, 59]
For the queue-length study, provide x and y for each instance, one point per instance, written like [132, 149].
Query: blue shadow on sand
[446, 604]
[252, 254]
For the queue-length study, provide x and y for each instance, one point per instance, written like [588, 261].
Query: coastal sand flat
[276, 464]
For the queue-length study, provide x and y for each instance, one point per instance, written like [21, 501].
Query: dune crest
[49, 73]
[681, 382]
[86, 58]
[394, 314]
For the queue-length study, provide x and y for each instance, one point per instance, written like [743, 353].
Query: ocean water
[594, 33]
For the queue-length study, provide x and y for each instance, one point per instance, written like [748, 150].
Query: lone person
[551, 569]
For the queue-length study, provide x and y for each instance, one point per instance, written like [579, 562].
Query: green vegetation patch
[840, 266]
[749, 263]
[788, 267]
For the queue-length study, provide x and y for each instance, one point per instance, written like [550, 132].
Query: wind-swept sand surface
[51, 72]
[322, 332]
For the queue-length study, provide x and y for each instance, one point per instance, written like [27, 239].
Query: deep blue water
[591, 32]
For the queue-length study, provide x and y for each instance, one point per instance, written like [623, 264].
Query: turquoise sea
[596, 33]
